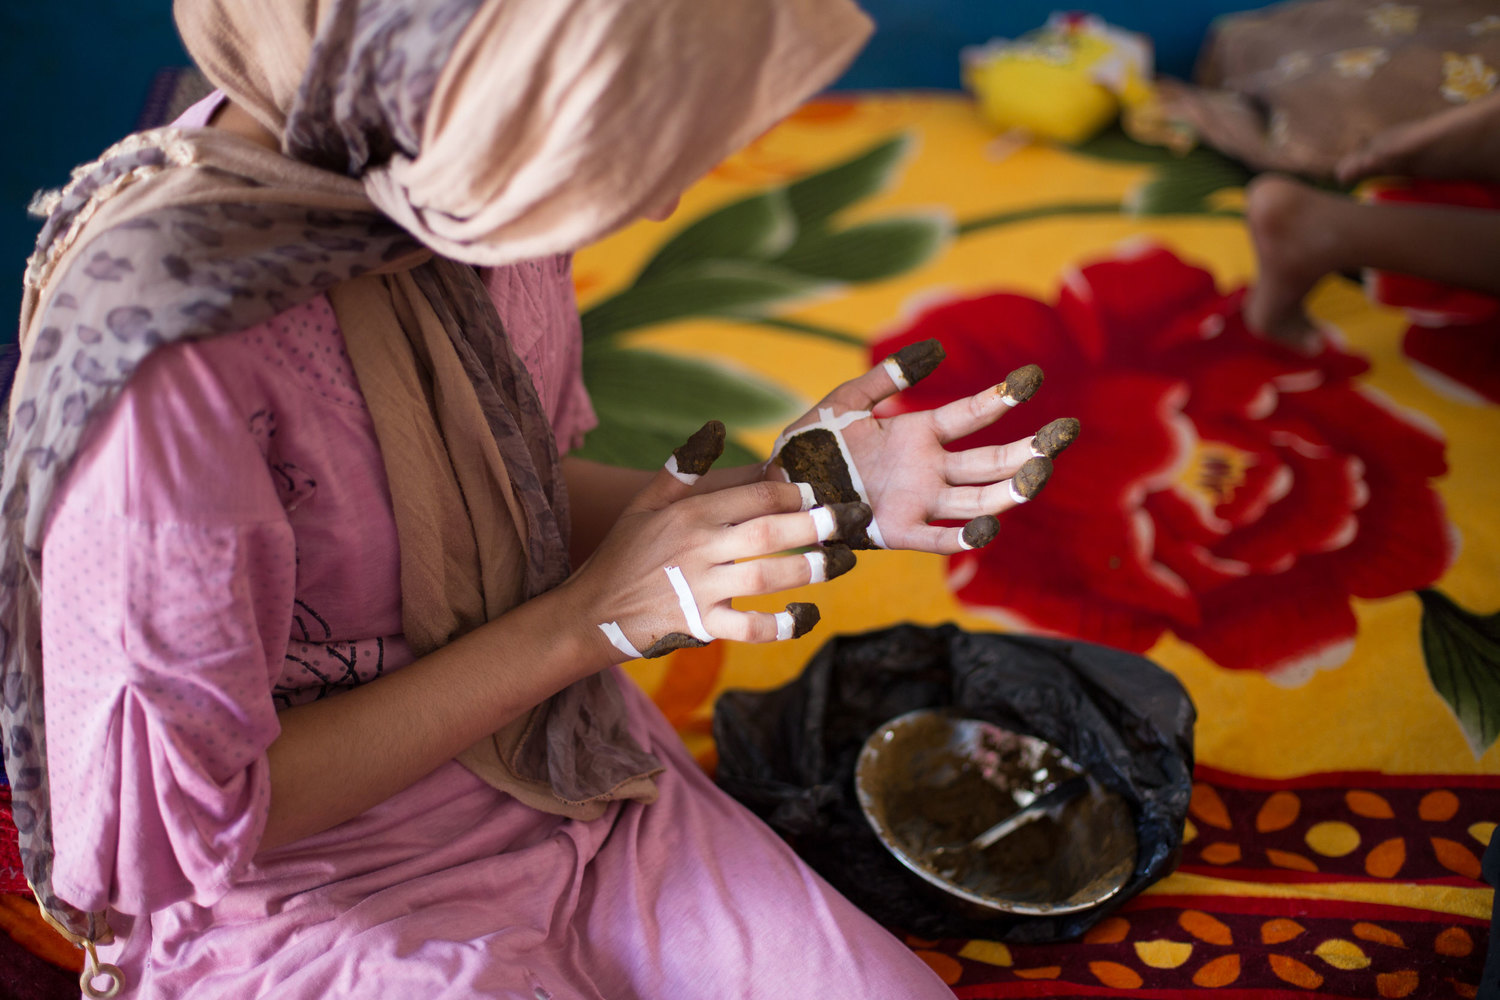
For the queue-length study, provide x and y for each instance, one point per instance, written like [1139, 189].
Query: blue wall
[917, 41]
[75, 74]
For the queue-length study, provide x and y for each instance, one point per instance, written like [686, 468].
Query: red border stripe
[1063, 988]
[1283, 906]
[1345, 780]
[1287, 876]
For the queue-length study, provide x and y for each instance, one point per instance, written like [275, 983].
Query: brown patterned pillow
[1297, 85]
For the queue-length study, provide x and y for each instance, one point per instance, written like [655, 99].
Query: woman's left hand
[899, 465]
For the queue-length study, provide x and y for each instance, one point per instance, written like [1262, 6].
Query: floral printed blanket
[1308, 542]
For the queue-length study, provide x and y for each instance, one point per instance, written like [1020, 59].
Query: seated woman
[330, 633]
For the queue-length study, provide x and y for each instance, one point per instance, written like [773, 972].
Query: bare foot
[1461, 143]
[1294, 249]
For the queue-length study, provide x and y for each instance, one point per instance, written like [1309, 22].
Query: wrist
[577, 617]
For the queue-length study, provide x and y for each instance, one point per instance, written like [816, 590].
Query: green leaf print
[1462, 650]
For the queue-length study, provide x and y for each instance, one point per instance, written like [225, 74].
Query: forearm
[597, 493]
[339, 756]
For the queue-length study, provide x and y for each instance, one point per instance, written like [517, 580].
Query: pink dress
[225, 547]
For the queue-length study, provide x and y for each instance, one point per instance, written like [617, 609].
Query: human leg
[692, 896]
[1302, 234]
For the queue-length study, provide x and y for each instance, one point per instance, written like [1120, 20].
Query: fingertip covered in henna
[837, 560]
[1030, 478]
[1055, 437]
[1020, 385]
[850, 518]
[700, 451]
[844, 521]
[670, 643]
[803, 617]
[916, 361]
[979, 532]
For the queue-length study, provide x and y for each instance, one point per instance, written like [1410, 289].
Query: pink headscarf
[515, 129]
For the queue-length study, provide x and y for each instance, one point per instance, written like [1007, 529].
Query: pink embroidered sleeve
[168, 575]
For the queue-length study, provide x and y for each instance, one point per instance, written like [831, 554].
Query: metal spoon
[1056, 796]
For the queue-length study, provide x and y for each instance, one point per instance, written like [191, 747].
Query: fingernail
[979, 532]
[1030, 478]
[1052, 439]
[849, 518]
[1020, 385]
[693, 458]
[809, 498]
[914, 362]
[796, 621]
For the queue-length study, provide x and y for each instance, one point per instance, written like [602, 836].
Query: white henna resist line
[893, 369]
[617, 639]
[689, 604]
[786, 625]
[809, 498]
[819, 563]
[685, 478]
[823, 523]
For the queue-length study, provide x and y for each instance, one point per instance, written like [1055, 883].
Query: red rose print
[1461, 360]
[1224, 488]
[1454, 340]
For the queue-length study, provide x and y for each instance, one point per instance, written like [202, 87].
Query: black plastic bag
[789, 754]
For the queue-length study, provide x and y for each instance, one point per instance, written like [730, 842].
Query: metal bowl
[930, 781]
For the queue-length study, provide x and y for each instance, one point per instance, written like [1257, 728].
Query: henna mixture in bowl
[929, 782]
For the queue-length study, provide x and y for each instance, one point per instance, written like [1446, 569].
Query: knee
[1274, 205]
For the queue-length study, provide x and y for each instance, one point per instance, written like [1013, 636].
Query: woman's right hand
[666, 574]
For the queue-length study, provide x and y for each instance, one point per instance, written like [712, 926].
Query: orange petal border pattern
[1238, 948]
[1342, 827]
